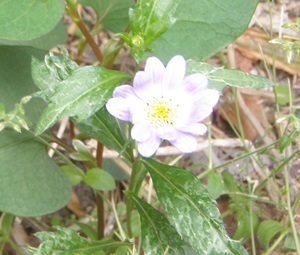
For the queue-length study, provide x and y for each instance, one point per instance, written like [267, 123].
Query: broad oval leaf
[202, 28]
[158, 236]
[31, 184]
[112, 13]
[191, 210]
[99, 179]
[28, 19]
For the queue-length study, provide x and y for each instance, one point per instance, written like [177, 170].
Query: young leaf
[215, 184]
[148, 20]
[83, 93]
[83, 153]
[243, 230]
[203, 28]
[157, 234]
[267, 230]
[69, 242]
[106, 129]
[19, 17]
[191, 210]
[28, 176]
[99, 179]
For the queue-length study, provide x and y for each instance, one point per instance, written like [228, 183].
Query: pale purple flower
[163, 104]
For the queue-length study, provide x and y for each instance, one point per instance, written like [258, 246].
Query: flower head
[164, 104]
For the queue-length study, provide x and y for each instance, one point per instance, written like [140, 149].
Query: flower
[163, 104]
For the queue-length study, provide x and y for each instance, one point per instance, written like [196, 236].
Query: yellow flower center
[161, 112]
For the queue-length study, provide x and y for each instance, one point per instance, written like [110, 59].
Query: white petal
[141, 132]
[174, 73]
[167, 132]
[197, 107]
[149, 147]
[195, 128]
[195, 82]
[185, 142]
[118, 107]
[155, 69]
[123, 91]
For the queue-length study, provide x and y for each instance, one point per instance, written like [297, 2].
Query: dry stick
[267, 140]
[99, 200]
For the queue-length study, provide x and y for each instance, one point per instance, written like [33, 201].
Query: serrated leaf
[83, 93]
[99, 179]
[190, 209]
[31, 184]
[157, 234]
[28, 19]
[112, 13]
[203, 28]
[106, 129]
[267, 230]
[68, 242]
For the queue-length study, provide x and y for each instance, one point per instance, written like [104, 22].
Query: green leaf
[68, 242]
[16, 81]
[74, 173]
[267, 230]
[191, 210]
[55, 37]
[99, 179]
[106, 129]
[112, 13]
[31, 184]
[289, 242]
[6, 223]
[244, 227]
[83, 153]
[28, 19]
[283, 94]
[218, 78]
[157, 234]
[79, 93]
[151, 18]
[215, 184]
[284, 142]
[203, 28]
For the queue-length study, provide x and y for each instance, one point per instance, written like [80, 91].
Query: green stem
[276, 243]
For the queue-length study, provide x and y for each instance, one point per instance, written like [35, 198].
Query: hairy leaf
[191, 210]
[69, 242]
[157, 234]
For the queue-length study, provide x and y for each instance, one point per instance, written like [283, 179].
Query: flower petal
[174, 74]
[118, 107]
[155, 69]
[141, 132]
[167, 132]
[185, 142]
[195, 82]
[123, 91]
[195, 128]
[147, 84]
[149, 147]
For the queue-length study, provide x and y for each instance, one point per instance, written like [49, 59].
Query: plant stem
[99, 200]
[72, 11]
